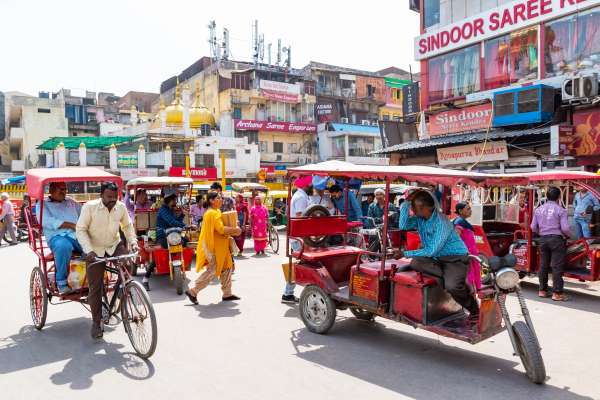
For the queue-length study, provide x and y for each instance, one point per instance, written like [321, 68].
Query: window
[251, 135]
[511, 58]
[371, 90]
[292, 148]
[385, 117]
[263, 147]
[338, 145]
[573, 43]
[360, 146]
[229, 153]
[431, 8]
[277, 147]
[240, 81]
[44, 110]
[205, 160]
[247, 151]
[237, 113]
[454, 74]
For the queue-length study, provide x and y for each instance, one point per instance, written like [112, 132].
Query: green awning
[93, 142]
[396, 83]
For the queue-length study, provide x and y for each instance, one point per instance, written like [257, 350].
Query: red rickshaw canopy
[37, 178]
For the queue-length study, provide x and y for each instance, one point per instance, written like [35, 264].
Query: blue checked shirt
[55, 213]
[438, 237]
[581, 204]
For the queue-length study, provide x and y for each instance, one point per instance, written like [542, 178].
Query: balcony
[16, 136]
[294, 158]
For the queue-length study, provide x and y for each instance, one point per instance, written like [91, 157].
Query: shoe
[64, 290]
[233, 297]
[289, 299]
[192, 298]
[146, 286]
[560, 297]
[13, 244]
[97, 332]
[543, 293]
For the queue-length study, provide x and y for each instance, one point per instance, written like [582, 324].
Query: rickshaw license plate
[176, 249]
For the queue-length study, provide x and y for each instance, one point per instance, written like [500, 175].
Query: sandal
[190, 296]
[560, 297]
[544, 294]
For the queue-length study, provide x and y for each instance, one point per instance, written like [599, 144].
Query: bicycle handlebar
[113, 258]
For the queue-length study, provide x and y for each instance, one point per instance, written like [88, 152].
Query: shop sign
[128, 174]
[586, 133]
[195, 173]
[266, 126]
[127, 160]
[561, 140]
[471, 153]
[454, 121]
[270, 169]
[262, 175]
[324, 109]
[410, 98]
[279, 87]
[282, 97]
[280, 170]
[496, 21]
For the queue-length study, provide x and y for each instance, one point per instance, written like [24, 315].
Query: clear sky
[121, 45]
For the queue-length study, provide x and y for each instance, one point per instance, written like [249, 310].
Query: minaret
[186, 109]
[162, 113]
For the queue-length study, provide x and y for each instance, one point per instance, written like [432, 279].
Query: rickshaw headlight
[174, 238]
[507, 278]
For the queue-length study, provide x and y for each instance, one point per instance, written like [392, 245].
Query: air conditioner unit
[523, 105]
[580, 88]
[365, 122]
[344, 120]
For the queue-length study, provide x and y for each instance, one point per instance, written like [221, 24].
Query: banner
[410, 100]
[281, 96]
[128, 174]
[586, 137]
[127, 160]
[471, 153]
[463, 120]
[291, 127]
[195, 173]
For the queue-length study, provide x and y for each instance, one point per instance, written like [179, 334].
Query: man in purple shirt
[550, 222]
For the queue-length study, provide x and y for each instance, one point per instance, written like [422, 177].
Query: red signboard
[266, 126]
[281, 96]
[195, 173]
[465, 119]
[586, 135]
[270, 169]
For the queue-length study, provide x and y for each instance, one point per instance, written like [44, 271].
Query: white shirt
[299, 203]
[325, 201]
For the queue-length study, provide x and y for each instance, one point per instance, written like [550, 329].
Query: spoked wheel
[317, 309]
[361, 314]
[38, 298]
[273, 239]
[529, 351]
[178, 277]
[139, 319]
[315, 210]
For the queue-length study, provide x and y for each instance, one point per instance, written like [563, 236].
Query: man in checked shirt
[443, 253]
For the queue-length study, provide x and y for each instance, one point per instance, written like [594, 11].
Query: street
[258, 348]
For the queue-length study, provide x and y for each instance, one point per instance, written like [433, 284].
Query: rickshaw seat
[372, 268]
[315, 254]
[414, 279]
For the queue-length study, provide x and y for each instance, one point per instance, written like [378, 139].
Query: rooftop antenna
[225, 44]
[261, 48]
[269, 47]
[288, 59]
[215, 49]
[278, 52]
[255, 50]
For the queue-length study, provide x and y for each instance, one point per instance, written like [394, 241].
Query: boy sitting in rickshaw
[443, 254]
[60, 218]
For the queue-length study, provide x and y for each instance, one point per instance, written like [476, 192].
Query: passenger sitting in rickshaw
[140, 201]
[197, 210]
[319, 184]
[60, 215]
[279, 210]
[443, 254]
[376, 208]
[339, 201]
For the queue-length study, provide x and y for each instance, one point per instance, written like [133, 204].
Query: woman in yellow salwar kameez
[213, 252]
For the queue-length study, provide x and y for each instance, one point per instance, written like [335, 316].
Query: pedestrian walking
[7, 218]
[213, 254]
[550, 222]
[241, 206]
[258, 223]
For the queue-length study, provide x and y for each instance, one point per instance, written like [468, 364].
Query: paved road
[258, 349]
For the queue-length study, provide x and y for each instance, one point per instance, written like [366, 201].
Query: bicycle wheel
[38, 298]
[273, 239]
[139, 319]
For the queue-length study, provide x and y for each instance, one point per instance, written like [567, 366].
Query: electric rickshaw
[278, 218]
[177, 258]
[337, 277]
[123, 298]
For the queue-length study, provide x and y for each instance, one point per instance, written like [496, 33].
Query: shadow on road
[419, 367]
[69, 340]
[578, 300]
[223, 309]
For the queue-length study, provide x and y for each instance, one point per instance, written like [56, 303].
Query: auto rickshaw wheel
[316, 210]
[178, 277]
[38, 298]
[317, 309]
[273, 239]
[361, 314]
[139, 319]
[529, 351]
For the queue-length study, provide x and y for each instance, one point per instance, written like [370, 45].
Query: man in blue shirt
[585, 204]
[339, 201]
[59, 218]
[377, 208]
[443, 253]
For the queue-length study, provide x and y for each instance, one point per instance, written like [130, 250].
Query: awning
[479, 136]
[94, 142]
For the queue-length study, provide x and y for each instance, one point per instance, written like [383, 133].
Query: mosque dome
[175, 110]
[199, 114]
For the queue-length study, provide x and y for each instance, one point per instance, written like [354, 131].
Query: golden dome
[199, 114]
[175, 110]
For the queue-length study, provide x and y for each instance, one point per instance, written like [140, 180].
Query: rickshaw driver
[376, 208]
[98, 232]
[60, 216]
[443, 254]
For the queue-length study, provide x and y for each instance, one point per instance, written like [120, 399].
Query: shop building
[519, 74]
[350, 142]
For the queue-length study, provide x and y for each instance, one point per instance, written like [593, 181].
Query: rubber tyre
[273, 239]
[134, 292]
[178, 278]
[361, 314]
[315, 210]
[38, 298]
[529, 351]
[317, 309]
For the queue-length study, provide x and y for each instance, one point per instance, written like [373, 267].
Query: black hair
[108, 186]
[553, 193]
[335, 189]
[216, 186]
[213, 194]
[424, 198]
[198, 198]
[460, 206]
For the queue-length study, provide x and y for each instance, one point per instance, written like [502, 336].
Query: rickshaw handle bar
[114, 258]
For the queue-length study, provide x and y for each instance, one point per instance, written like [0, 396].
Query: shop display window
[573, 43]
[454, 74]
[511, 58]
[360, 146]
